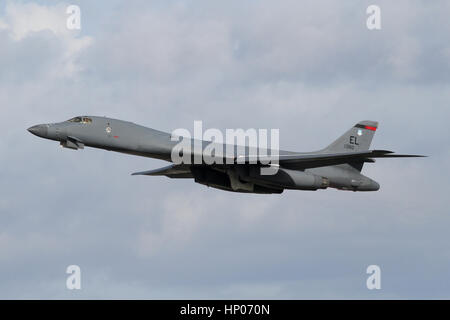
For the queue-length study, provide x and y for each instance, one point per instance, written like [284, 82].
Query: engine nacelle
[291, 179]
[229, 181]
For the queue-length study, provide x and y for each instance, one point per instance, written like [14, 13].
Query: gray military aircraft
[337, 166]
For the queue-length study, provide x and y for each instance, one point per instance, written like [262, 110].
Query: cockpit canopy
[81, 120]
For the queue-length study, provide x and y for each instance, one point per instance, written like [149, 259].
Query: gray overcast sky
[310, 68]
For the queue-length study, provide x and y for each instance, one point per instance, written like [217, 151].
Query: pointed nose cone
[40, 130]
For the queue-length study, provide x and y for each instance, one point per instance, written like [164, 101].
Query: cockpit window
[81, 120]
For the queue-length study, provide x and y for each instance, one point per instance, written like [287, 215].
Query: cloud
[25, 21]
[311, 70]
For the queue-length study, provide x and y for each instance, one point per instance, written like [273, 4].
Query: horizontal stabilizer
[314, 160]
[400, 156]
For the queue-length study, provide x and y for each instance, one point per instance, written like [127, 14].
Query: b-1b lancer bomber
[337, 166]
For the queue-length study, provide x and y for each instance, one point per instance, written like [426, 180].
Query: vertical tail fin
[358, 138]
